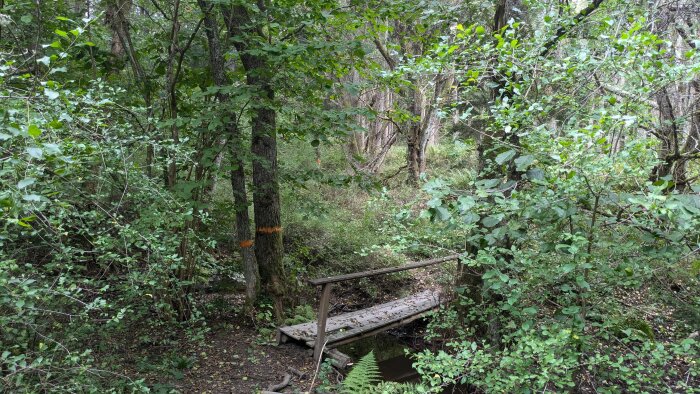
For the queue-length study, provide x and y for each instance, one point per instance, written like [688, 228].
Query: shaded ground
[238, 357]
[235, 361]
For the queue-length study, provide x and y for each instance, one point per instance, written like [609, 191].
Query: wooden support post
[322, 317]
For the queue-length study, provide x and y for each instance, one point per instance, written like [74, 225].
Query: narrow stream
[394, 364]
[390, 353]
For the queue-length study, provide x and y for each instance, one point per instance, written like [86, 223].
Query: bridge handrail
[382, 271]
[327, 283]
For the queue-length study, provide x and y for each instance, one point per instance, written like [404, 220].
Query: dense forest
[174, 172]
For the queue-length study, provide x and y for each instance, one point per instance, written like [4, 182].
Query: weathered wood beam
[322, 318]
[382, 271]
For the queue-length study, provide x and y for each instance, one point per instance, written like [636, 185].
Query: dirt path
[236, 361]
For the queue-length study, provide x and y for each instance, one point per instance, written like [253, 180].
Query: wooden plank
[352, 336]
[380, 318]
[366, 274]
[321, 322]
[342, 328]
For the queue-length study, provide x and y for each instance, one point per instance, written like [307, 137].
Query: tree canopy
[150, 149]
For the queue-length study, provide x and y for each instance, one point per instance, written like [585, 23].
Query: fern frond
[397, 388]
[363, 378]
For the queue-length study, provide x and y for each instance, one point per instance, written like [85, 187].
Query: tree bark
[368, 149]
[171, 77]
[669, 149]
[115, 17]
[423, 129]
[122, 44]
[238, 178]
[266, 200]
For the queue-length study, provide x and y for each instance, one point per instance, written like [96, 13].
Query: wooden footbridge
[327, 333]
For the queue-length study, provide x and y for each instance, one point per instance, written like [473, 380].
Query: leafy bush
[88, 248]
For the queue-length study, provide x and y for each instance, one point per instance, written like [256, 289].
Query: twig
[285, 382]
[318, 366]
[387, 178]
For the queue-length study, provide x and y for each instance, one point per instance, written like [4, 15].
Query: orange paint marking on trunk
[268, 230]
[246, 244]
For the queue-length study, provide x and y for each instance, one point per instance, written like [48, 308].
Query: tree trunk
[121, 43]
[414, 152]
[266, 200]
[669, 152]
[424, 128]
[172, 94]
[115, 17]
[243, 235]
[367, 150]
[238, 179]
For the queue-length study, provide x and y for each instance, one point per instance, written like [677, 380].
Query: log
[338, 359]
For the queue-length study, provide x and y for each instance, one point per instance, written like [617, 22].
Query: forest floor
[239, 354]
[235, 361]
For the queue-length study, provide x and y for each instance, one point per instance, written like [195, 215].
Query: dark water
[394, 363]
[390, 352]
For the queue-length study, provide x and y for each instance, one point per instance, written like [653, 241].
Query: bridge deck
[351, 326]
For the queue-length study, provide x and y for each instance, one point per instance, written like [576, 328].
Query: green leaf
[523, 162]
[363, 377]
[566, 268]
[34, 131]
[35, 152]
[535, 174]
[465, 203]
[52, 149]
[25, 182]
[442, 213]
[61, 33]
[26, 19]
[44, 60]
[505, 156]
[571, 310]
[480, 30]
[51, 94]
[434, 202]
[491, 221]
[530, 310]
[470, 218]
[31, 197]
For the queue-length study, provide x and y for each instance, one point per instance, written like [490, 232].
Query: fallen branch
[297, 372]
[285, 382]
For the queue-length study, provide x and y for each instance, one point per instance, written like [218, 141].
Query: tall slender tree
[247, 33]
[235, 140]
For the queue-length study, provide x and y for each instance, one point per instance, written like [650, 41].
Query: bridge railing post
[322, 318]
